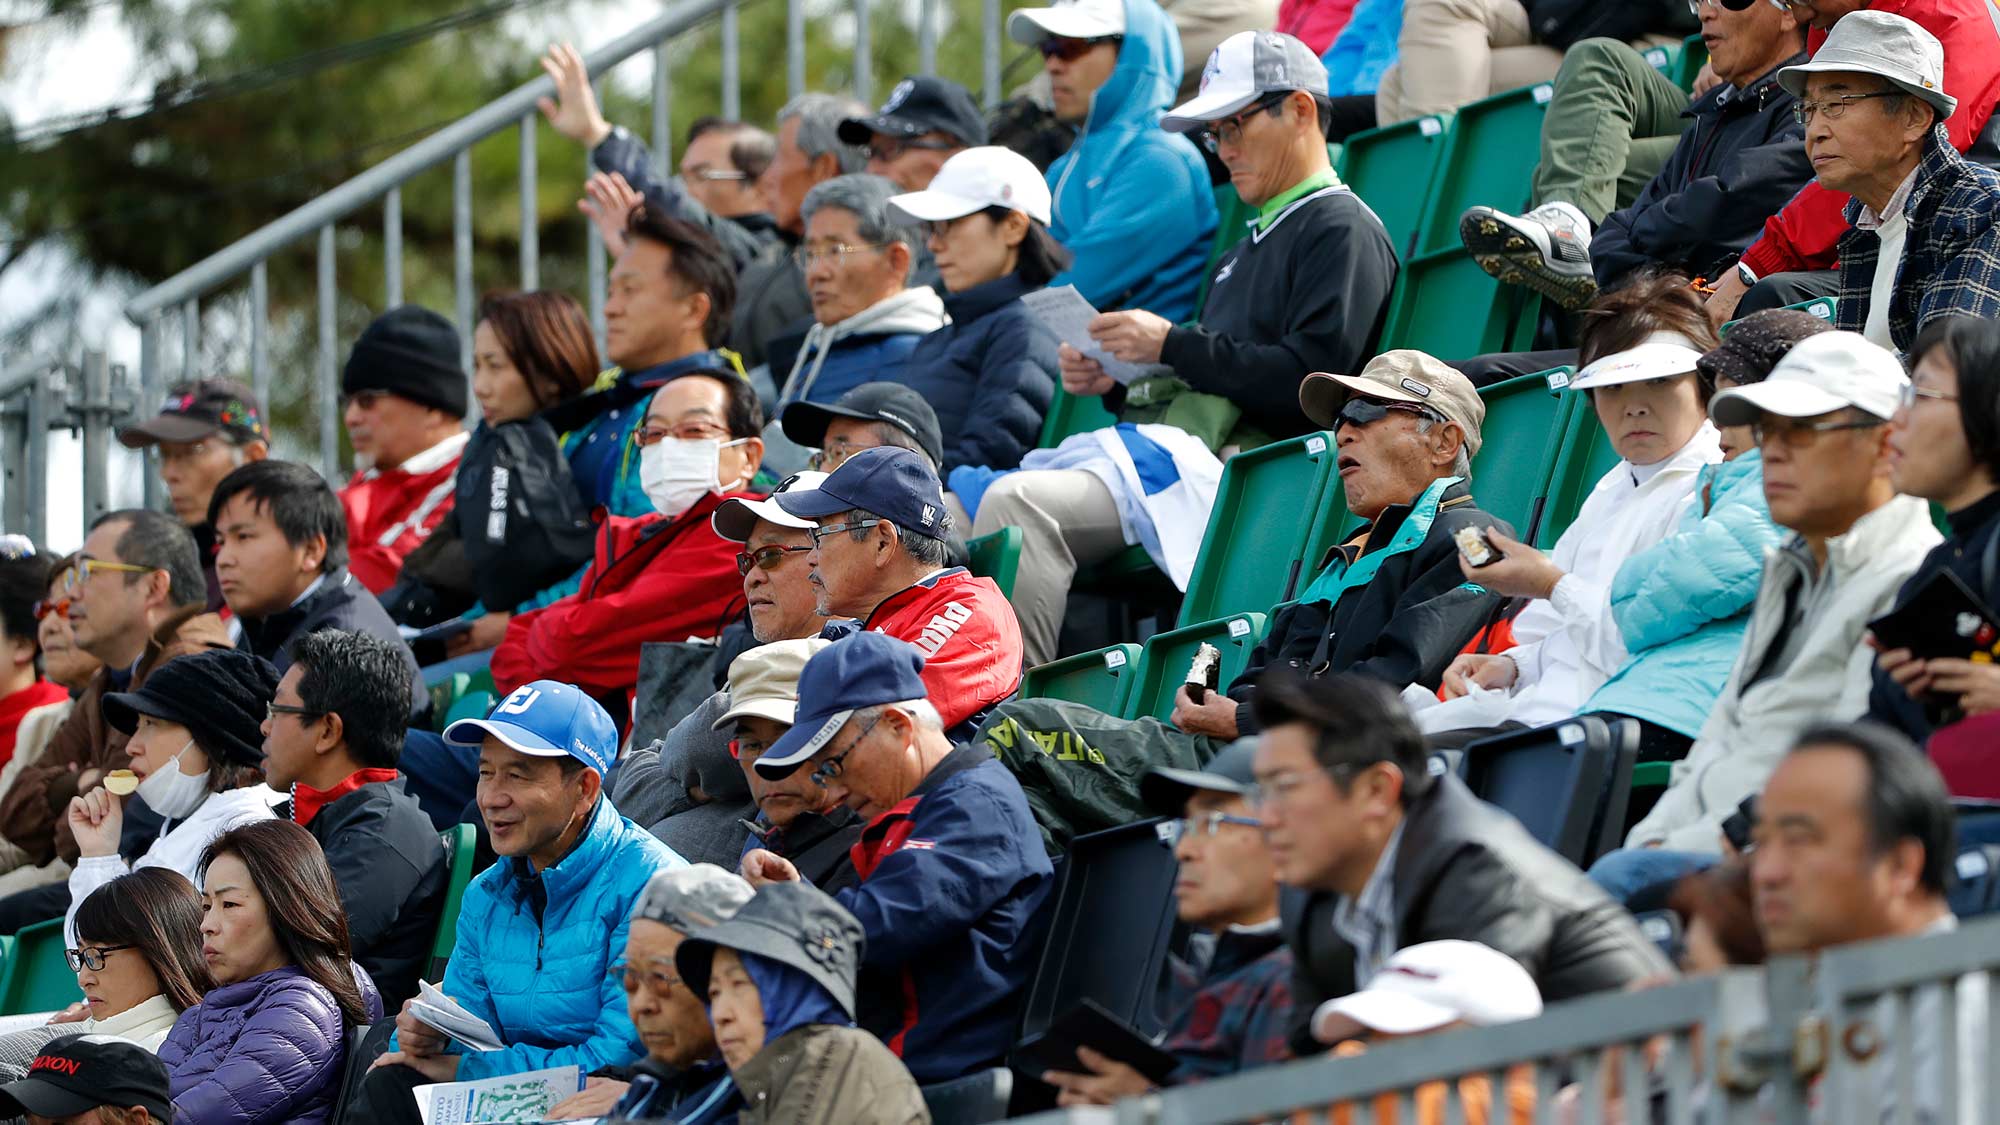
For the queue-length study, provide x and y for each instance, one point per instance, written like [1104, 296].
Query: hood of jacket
[1147, 78]
[917, 311]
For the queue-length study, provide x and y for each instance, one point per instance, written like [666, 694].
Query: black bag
[674, 678]
[1564, 23]
[524, 526]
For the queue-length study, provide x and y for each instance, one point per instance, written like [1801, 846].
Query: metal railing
[42, 394]
[244, 262]
[1880, 1033]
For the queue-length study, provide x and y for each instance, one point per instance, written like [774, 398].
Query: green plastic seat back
[1255, 540]
[1069, 415]
[1444, 304]
[1390, 168]
[38, 977]
[460, 847]
[1587, 454]
[1520, 439]
[1097, 679]
[1489, 158]
[997, 556]
[1163, 666]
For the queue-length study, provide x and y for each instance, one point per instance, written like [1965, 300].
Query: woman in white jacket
[197, 755]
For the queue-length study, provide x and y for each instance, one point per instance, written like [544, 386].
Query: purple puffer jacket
[267, 1049]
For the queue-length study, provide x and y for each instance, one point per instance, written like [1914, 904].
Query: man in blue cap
[878, 559]
[951, 864]
[537, 931]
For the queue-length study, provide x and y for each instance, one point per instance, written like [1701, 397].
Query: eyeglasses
[273, 710]
[1803, 435]
[631, 977]
[830, 456]
[819, 534]
[1229, 130]
[90, 957]
[1908, 396]
[366, 400]
[1070, 50]
[835, 766]
[1281, 787]
[181, 454]
[57, 606]
[808, 256]
[1835, 106]
[891, 149]
[1367, 412]
[686, 431]
[941, 228]
[86, 569]
[765, 558]
[1204, 826]
[709, 175]
[746, 749]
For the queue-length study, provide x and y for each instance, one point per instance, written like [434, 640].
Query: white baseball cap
[1245, 67]
[1424, 987]
[735, 518]
[1821, 374]
[975, 179]
[1079, 19]
[1662, 355]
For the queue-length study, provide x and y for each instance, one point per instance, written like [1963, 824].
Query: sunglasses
[1366, 412]
[57, 606]
[765, 558]
[1070, 50]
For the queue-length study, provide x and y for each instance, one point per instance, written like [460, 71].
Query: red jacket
[390, 512]
[1803, 234]
[653, 579]
[969, 636]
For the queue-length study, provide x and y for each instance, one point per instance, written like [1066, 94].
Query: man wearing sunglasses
[952, 869]
[1801, 247]
[925, 121]
[1227, 1013]
[1132, 204]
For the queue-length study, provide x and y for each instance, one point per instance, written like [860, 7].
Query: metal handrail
[339, 202]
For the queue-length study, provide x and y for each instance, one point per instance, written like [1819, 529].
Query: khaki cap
[764, 681]
[1399, 376]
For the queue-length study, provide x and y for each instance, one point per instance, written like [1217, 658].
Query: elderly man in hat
[204, 430]
[1924, 242]
[952, 875]
[91, 1080]
[1389, 603]
[682, 1076]
[1228, 1012]
[404, 391]
[925, 121]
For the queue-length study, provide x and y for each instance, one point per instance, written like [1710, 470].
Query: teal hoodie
[1683, 604]
[1133, 202]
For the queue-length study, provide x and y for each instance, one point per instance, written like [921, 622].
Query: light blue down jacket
[1132, 201]
[543, 984]
[1683, 604]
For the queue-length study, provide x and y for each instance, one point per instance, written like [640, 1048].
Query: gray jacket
[825, 1075]
[655, 785]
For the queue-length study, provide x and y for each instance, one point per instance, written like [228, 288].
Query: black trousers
[36, 904]
[1781, 289]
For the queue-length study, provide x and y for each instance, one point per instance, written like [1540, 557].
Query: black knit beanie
[219, 695]
[410, 352]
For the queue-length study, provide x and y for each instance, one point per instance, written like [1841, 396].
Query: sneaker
[1547, 250]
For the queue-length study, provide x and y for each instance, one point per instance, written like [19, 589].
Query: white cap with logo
[975, 179]
[1077, 19]
[1245, 67]
[1424, 987]
[1821, 374]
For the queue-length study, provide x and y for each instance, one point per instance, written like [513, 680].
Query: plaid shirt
[1953, 246]
[1232, 1013]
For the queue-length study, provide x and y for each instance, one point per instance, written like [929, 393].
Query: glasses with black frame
[1068, 49]
[1834, 107]
[833, 767]
[1230, 129]
[1795, 435]
[90, 956]
[766, 558]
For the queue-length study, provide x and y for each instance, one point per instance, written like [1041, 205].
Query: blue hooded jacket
[1133, 202]
[540, 977]
[1683, 604]
[791, 998]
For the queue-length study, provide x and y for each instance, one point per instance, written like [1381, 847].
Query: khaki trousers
[1068, 519]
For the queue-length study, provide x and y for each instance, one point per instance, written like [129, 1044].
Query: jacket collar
[774, 1063]
[308, 802]
[574, 870]
[1374, 536]
[979, 300]
[805, 831]
[243, 991]
[1938, 160]
[1728, 101]
[927, 582]
[332, 587]
[437, 457]
[1966, 522]
[1873, 537]
[963, 757]
[1236, 947]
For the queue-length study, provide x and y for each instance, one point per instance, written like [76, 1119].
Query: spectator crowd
[760, 824]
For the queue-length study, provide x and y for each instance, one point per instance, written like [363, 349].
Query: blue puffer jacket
[1133, 201]
[990, 374]
[271, 1048]
[1682, 605]
[540, 981]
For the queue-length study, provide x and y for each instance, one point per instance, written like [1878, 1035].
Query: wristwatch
[1746, 275]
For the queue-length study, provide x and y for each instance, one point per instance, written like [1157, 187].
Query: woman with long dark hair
[518, 523]
[137, 961]
[269, 1042]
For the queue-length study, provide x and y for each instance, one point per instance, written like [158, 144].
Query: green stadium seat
[1446, 305]
[1390, 168]
[38, 977]
[1255, 541]
[1821, 307]
[1665, 59]
[1099, 679]
[1586, 455]
[460, 847]
[1525, 425]
[1693, 56]
[997, 556]
[1163, 666]
[446, 692]
[471, 705]
[1069, 415]
[1489, 158]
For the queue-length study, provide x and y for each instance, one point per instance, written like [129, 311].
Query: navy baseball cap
[546, 719]
[862, 670]
[892, 482]
[921, 104]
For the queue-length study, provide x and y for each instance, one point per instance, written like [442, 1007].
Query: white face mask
[676, 472]
[170, 792]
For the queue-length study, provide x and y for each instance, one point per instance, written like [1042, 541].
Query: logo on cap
[1421, 390]
[898, 95]
[930, 515]
[1209, 72]
[517, 703]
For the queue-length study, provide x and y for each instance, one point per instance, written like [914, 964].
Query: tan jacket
[34, 812]
[825, 1075]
